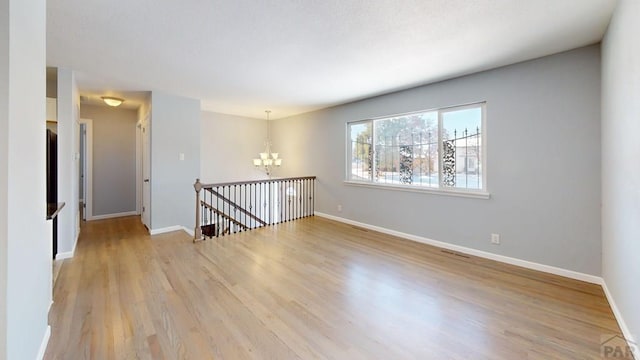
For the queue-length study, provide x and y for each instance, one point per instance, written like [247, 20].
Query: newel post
[197, 232]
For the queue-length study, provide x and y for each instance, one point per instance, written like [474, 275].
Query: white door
[146, 175]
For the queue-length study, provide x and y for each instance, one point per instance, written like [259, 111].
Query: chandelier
[267, 158]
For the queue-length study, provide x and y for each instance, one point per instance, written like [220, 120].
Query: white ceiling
[292, 56]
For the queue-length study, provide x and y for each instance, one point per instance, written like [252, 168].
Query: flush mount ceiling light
[112, 101]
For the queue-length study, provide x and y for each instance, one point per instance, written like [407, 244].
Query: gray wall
[114, 158]
[5, 90]
[175, 129]
[543, 162]
[620, 160]
[25, 252]
[228, 144]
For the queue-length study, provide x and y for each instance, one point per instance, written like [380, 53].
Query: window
[437, 149]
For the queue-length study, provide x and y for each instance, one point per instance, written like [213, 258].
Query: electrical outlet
[339, 208]
[495, 239]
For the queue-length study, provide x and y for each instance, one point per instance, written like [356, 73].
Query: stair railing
[226, 208]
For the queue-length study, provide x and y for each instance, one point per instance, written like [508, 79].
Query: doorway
[145, 173]
[86, 169]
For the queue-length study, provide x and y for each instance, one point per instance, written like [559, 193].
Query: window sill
[458, 193]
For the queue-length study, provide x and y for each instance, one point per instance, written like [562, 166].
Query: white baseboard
[44, 343]
[111, 216]
[64, 255]
[188, 231]
[483, 254]
[170, 229]
[68, 254]
[165, 230]
[505, 259]
[616, 312]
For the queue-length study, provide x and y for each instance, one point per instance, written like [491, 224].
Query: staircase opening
[227, 208]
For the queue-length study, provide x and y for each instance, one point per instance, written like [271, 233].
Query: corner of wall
[620, 179]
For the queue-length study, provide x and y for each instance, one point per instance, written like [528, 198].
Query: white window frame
[440, 190]
[350, 150]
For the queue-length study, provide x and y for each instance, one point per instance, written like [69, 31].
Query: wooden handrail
[226, 216]
[238, 207]
[208, 186]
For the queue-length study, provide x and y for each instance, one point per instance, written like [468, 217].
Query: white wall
[543, 168]
[68, 161]
[228, 144]
[25, 287]
[4, 169]
[175, 130]
[114, 158]
[621, 163]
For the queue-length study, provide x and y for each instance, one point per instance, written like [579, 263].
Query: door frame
[139, 168]
[88, 168]
[144, 149]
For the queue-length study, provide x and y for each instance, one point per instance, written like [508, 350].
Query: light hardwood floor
[310, 289]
